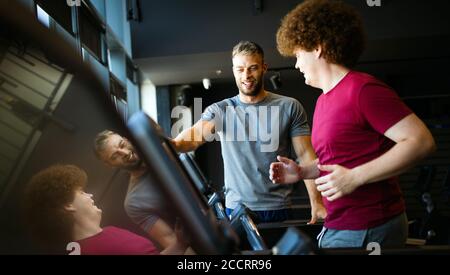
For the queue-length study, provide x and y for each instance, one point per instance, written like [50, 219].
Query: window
[119, 97]
[43, 17]
[117, 89]
[92, 33]
[131, 71]
[58, 10]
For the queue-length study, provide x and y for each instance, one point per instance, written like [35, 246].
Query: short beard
[256, 90]
[133, 167]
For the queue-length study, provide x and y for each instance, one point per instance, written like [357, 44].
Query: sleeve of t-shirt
[144, 218]
[210, 112]
[381, 107]
[299, 125]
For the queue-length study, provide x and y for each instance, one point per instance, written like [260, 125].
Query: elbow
[171, 239]
[432, 146]
[167, 239]
[429, 145]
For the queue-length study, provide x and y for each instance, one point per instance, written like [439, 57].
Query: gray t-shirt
[252, 135]
[144, 203]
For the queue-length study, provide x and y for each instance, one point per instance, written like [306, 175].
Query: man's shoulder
[228, 101]
[111, 229]
[284, 100]
[221, 105]
[361, 80]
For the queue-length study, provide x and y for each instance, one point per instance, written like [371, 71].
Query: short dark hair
[46, 195]
[334, 25]
[247, 48]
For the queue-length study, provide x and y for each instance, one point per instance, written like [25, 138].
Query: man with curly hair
[58, 212]
[247, 157]
[363, 134]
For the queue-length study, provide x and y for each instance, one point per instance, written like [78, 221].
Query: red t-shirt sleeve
[381, 107]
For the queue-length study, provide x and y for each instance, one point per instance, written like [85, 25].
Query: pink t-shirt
[116, 241]
[348, 129]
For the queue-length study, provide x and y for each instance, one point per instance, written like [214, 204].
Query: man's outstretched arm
[192, 138]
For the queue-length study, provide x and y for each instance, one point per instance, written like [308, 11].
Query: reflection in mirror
[69, 171]
[52, 107]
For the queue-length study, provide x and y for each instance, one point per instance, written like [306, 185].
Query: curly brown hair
[46, 196]
[334, 25]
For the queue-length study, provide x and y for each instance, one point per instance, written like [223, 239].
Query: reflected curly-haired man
[58, 212]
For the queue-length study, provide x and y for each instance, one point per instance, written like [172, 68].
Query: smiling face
[308, 64]
[84, 208]
[248, 70]
[118, 152]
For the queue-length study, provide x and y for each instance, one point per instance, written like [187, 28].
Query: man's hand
[318, 212]
[285, 171]
[340, 182]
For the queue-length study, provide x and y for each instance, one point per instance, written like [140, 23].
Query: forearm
[188, 140]
[163, 234]
[177, 248]
[183, 146]
[313, 194]
[309, 171]
[308, 159]
[164, 240]
[395, 161]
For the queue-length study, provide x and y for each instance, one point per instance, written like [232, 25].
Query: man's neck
[85, 229]
[332, 75]
[253, 99]
[138, 172]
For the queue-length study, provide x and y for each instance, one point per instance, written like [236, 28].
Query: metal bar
[253, 236]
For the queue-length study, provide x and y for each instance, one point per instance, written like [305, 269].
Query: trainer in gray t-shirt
[144, 203]
[252, 135]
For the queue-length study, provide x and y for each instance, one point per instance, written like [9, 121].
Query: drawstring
[320, 236]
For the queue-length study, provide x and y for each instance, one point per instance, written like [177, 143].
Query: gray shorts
[392, 234]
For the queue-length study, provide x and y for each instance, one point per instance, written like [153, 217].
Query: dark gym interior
[69, 72]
